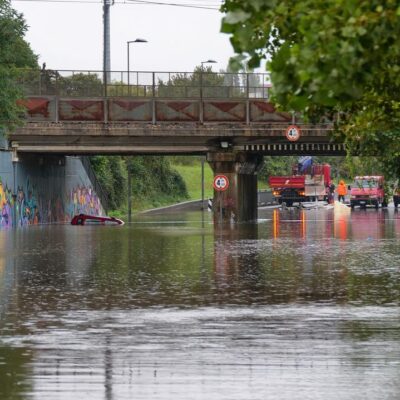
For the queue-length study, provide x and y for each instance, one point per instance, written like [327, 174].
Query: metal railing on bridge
[190, 85]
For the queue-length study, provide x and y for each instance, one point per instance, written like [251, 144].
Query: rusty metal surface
[39, 108]
[81, 110]
[224, 111]
[263, 111]
[129, 110]
[186, 110]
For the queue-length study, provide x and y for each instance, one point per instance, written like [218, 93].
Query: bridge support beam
[238, 203]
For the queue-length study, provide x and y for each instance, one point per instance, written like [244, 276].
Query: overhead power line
[159, 3]
[203, 6]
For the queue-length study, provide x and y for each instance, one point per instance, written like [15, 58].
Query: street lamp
[127, 45]
[208, 62]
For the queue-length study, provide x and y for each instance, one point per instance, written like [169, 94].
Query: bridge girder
[171, 138]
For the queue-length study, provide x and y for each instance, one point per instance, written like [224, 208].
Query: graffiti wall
[6, 206]
[83, 200]
[49, 190]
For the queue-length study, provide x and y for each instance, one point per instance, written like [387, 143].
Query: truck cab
[367, 191]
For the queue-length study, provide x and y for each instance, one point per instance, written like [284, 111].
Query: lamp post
[201, 117]
[207, 62]
[127, 46]
[201, 77]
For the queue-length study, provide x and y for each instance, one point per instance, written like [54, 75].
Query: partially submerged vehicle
[367, 191]
[85, 219]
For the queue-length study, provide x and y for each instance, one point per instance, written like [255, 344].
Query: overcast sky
[70, 36]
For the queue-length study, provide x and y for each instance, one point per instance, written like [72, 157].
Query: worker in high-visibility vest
[341, 191]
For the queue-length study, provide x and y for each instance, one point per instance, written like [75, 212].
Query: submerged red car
[84, 219]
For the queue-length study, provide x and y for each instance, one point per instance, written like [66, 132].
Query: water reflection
[303, 304]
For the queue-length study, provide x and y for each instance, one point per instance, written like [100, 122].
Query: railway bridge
[227, 117]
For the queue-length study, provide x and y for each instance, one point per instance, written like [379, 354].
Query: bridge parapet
[125, 109]
[188, 85]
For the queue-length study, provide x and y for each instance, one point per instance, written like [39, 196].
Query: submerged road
[302, 305]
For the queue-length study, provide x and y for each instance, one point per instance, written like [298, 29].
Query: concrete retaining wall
[44, 189]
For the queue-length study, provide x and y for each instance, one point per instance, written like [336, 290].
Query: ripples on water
[302, 305]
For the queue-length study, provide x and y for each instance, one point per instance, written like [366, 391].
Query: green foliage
[154, 182]
[334, 58]
[112, 175]
[153, 177]
[51, 82]
[79, 85]
[276, 166]
[15, 52]
[188, 85]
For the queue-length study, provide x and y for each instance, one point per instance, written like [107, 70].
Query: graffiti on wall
[32, 206]
[83, 200]
[6, 206]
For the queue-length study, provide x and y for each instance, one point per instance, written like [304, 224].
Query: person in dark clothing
[331, 196]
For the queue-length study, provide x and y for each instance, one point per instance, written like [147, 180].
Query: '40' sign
[293, 133]
[221, 183]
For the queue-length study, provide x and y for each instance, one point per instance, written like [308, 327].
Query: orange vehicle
[367, 191]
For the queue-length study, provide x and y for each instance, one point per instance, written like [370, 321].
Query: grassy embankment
[191, 174]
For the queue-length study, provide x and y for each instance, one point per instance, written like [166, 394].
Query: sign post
[220, 184]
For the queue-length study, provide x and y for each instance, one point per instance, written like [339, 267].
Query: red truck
[367, 191]
[308, 185]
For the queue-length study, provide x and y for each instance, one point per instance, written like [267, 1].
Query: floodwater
[301, 305]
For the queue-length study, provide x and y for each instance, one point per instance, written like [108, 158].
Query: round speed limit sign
[293, 133]
[221, 183]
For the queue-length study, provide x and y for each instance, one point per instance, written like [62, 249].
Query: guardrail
[195, 85]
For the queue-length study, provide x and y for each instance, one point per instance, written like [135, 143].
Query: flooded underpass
[303, 304]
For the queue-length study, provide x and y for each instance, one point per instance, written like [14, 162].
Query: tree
[333, 57]
[15, 52]
[188, 85]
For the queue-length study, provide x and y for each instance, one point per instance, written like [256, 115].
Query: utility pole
[106, 41]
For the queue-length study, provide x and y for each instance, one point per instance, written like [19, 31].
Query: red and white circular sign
[221, 183]
[293, 133]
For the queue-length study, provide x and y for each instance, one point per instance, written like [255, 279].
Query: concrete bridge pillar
[238, 203]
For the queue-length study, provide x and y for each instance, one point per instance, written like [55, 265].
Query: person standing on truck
[341, 191]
